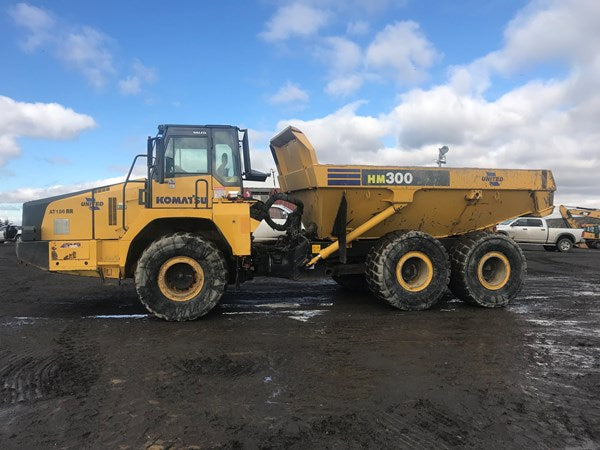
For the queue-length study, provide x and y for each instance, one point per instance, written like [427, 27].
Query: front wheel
[408, 270]
[487, 269]
[181, 277]
[564, 245]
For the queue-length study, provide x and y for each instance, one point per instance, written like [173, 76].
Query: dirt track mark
[70, 370]
[222, 365]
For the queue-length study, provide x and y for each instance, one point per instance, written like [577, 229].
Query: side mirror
[250, 174]
[154, 159]
[159, 166]
[149, 149]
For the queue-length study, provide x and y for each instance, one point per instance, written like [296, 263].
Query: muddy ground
[283, 364]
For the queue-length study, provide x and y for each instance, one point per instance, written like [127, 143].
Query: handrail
[133, 181]
[196, 199]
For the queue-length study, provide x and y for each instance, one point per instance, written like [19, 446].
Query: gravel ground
[284, 364]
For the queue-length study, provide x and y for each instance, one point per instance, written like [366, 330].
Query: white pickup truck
[534, 230]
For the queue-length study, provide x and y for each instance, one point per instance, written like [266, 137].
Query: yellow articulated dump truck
[186, 231]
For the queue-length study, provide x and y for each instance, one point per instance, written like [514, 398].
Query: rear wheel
[564, 245]
[354, 282]
[487, 269]
[181, 277]
[408, 270]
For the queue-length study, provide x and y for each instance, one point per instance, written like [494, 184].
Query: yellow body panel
[73, 255]
[439, 201]
[90, 223]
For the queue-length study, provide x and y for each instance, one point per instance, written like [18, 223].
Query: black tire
[550, 248]
[354, 282]
[181, 277]
[10, 234]
[564, 244]
[487, 269]
[594, 244]
[408, 270]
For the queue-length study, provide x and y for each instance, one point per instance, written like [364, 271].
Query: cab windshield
[186, 156]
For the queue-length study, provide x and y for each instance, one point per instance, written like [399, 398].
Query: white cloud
[36, 120]
[86, 50]
[289, 93]
[81, 48]
[344, 86]
[37, 22]
[554, 31]
[358, 28]
[343, 136]
[296, 19]
[402, 49]
[341, 55]
[399, 52]
[132, 84]
[343, 58]
[545, 31]
[542, 123]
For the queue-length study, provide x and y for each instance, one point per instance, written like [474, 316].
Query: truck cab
[195, 176]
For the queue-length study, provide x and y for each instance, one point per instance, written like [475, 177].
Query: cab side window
[519, 223]
[186, 155]
[226, 166]
[534, 223]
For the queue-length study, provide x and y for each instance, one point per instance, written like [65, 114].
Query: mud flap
[339, 229]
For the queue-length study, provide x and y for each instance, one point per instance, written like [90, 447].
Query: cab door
[537, 231]
[226, 169]
[519, 230]
[187, 173]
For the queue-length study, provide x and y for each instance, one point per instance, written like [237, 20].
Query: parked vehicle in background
[535, 230]
[279, 214]
[10, 233]
[586, 218]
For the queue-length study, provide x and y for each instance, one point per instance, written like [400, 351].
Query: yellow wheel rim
[180, 278]
[493, 271]
[414, 271]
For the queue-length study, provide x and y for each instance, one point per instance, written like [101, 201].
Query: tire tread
[165, 245]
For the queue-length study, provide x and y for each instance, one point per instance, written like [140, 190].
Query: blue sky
[502, 82]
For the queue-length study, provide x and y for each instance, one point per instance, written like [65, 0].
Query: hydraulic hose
[293, 218]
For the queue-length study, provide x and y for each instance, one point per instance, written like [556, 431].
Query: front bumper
[34, 253]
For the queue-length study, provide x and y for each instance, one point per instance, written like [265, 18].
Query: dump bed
[439, 201]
